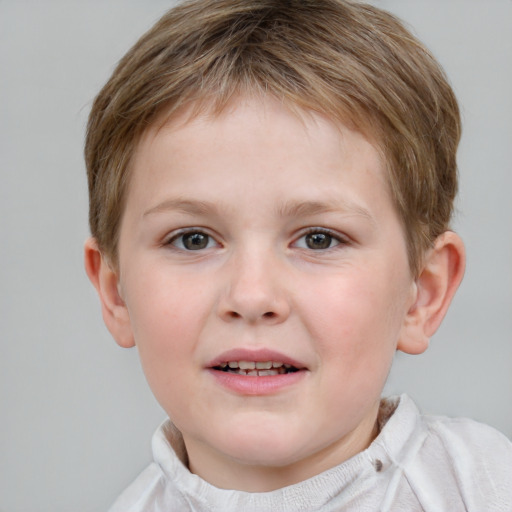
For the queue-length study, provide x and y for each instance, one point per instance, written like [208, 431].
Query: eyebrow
[309, 208]
[290, 209]
[191, 207]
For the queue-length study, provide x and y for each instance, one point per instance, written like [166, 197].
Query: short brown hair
[348, 60]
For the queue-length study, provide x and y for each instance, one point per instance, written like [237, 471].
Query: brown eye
[193, 241]
[318, 241]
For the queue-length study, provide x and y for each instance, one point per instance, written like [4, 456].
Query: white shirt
[416, 463]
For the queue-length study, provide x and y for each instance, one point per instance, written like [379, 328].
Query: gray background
[76, 415]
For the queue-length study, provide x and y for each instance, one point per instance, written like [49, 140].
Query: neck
[229, 473]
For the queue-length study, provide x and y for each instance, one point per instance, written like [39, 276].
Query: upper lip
[256, 355]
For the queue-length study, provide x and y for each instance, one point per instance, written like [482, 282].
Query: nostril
[252, 316]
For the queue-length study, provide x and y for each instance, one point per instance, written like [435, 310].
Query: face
[265, 276]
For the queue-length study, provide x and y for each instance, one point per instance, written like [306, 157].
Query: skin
[255, 182]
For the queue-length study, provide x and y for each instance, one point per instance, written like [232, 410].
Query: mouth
[256, 368]
[256, 372]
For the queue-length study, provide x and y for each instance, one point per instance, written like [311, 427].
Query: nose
[255, 290]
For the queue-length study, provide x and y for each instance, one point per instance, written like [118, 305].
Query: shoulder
[141, 492]
[162, 483]
[475, 457]
[459, 438]
[447, 463]
[469, 440]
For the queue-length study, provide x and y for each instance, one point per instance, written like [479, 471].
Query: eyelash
[189, 232]
[332, 236]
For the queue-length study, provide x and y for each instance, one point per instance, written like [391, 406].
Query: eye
[318, 240]
[192, 241]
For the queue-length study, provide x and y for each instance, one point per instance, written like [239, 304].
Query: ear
[106, 282]
[433, 291]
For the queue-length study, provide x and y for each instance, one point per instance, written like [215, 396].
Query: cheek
[165, 316]
[356, 321]
[164, 305]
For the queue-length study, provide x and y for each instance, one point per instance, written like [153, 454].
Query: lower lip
[267, 385]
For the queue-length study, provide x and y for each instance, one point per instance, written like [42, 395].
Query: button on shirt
[416, 463]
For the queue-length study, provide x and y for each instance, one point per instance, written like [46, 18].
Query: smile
[256, 368]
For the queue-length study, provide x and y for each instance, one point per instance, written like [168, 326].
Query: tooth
[252, 373]
[265, 373]
[233, 364]
[246, 365]
[223, 365]
[264, 365]
[287, 366]
[276, 364]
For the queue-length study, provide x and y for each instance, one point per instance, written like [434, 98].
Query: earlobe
[106, 282]
[433, 292]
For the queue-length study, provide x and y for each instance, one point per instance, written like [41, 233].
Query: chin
[263, 448]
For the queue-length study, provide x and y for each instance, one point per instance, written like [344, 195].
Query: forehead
[273, 139]
[262, 105]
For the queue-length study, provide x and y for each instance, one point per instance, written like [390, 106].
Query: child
[271, 185]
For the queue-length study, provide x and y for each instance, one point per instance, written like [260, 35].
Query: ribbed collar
[342, 484]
